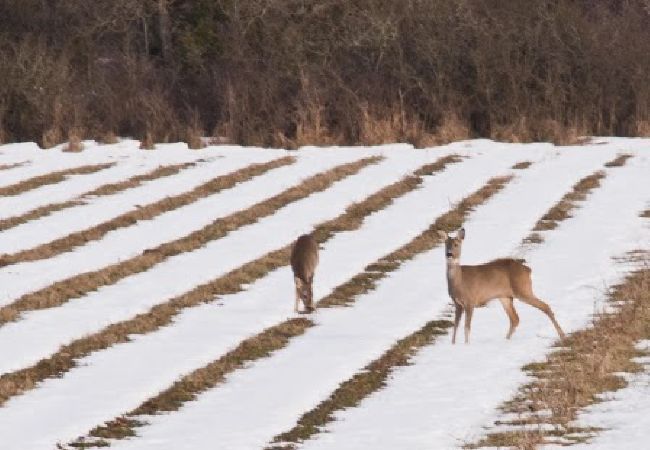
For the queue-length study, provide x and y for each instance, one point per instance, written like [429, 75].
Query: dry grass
[108, 138]
[212, 374]
[574, 376]
[145, 212]
[370, 379]
[374, 376]
[148, 142]
[563, 209]
[137, 180]
[522, 165]
[194, 134]
[52, 137]
[619, 161]
[106, 189]
[12, 166]
[50, 178]
[14, 383]
[187, 388]
[525, 129]
[74, 144]
[452, 220]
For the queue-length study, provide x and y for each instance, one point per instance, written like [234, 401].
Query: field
[146, 300]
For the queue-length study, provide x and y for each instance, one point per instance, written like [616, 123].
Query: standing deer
[304, 259]
[474, 286]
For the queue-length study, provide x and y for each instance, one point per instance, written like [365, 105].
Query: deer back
[496, 279]
[304, 257]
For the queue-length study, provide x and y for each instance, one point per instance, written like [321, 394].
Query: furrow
[438, 380]
[16, 382]
[360, 186]
[315, 374]
[97, 210]
[146, 212]
[187, 388]
[106, 189]
[50, 178]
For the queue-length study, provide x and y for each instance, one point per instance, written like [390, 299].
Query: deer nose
[449, 255]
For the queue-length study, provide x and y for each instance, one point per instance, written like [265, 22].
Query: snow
[439, 402]
[128, 242]
[103, 208]
[450, 392]
[40, 334]
[76, 185]
[625, 415]
[316, 374]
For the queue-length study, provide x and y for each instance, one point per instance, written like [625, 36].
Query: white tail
[304, 259]
[474, 286]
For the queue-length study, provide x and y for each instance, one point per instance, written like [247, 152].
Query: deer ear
[461, 234]
[442, 235]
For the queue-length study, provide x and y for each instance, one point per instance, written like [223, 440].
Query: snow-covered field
[444, 399]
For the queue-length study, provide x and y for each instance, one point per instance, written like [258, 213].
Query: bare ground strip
[145, 212]
[187, 388]
[14, 383]
[107, 189]
[50, 178]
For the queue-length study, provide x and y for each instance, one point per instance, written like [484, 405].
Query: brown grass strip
[12, 166]
[14, 383]
[79, 285]
[373, 377]
[522, 165]
[50, 178]
[571, 201]
[619, 161]
[146, 212]
[427, 240]
[187, 388]
[107, 189]
[370, 379]
[574, 376]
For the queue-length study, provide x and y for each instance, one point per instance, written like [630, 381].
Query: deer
[304, 259]
[474, 286]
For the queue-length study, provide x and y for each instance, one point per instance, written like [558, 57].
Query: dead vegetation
[522, 165]
[373, 376]
[107, 189]
[11, 166]
[231, 283]
[574, 376]
[368, 380]
[74, 144]
[453, 219]
[352, 72]
[50, 178]
[187, 388]
[563, 209]
[145, 212]
[14, 383]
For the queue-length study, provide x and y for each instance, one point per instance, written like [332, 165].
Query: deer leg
[537, 303]
[459, 313]
[512, 314]
[298, 298]
[469, 310]
[309, 301]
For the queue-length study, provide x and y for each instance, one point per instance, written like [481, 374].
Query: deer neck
[454, 276]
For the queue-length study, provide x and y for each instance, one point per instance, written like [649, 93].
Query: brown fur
[304, 259]
[474, 286]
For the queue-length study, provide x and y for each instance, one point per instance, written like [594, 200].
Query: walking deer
[304, 259]
[474, 286]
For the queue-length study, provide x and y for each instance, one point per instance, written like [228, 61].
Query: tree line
[293, 72]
